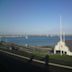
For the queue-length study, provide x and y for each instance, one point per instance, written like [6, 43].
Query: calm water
[36, 40]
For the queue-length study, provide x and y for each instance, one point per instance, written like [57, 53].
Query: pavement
[12, 62]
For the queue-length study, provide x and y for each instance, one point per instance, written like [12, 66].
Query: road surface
[13, 62]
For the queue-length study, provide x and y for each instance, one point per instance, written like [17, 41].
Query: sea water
[35, 40]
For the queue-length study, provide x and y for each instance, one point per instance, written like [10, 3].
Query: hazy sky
[35, 16]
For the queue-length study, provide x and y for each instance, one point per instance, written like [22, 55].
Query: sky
[35, 16]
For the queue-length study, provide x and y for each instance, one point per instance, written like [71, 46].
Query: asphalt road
[10, 63]
[14, 64]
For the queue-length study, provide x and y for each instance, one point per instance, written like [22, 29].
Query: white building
[62, 47]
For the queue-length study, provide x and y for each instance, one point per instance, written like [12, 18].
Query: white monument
[61, 47]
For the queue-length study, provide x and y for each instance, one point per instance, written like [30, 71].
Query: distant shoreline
[19, 35]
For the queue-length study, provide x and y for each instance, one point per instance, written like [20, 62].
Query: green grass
[64, 59]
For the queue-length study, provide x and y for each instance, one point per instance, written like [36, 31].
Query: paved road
[68, 67]
[52, 65]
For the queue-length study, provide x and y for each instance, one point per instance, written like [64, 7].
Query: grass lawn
[64, 59]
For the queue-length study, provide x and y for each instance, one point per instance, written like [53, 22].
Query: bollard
[31, 58]
[46, 60]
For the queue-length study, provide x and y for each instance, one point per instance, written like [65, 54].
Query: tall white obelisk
[61, 47]
[60, 30]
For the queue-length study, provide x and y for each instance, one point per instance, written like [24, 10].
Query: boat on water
[26, 37]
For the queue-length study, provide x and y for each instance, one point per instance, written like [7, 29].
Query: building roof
[69, 44]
